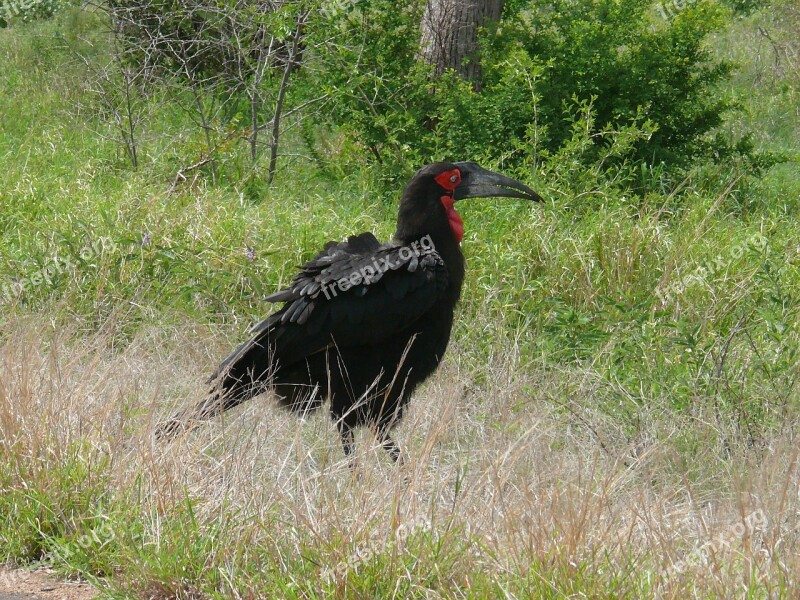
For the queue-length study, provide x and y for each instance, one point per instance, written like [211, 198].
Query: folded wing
[353, 293]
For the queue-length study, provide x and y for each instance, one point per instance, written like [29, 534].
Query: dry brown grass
[524, 487]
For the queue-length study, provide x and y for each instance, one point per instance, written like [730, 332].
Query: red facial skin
[449, 180]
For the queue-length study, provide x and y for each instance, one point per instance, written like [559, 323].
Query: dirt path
[41, 584]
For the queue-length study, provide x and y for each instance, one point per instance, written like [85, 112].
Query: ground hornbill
[363, 323]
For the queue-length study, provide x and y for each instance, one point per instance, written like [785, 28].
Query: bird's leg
[348, 439]
[388, 444]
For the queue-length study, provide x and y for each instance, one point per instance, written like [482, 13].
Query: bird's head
[428, 203]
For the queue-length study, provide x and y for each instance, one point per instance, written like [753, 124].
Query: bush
[637, 70]
[633, 64]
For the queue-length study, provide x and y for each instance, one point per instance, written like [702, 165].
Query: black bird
[363, 323]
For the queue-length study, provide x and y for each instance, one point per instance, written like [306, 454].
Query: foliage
[613, 52]
[27, 10]
[369, 65]
[541, 65]
[200, 40]
[231, 66]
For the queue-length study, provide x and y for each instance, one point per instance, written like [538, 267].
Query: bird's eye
[453, 178]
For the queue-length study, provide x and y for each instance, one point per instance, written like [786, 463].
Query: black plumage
[362, 323]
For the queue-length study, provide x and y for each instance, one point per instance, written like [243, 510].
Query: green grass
[504, 493]
[600, 416]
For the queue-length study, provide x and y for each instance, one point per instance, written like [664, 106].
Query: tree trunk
[450, 34]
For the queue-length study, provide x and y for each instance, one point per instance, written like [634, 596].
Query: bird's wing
[352, 293]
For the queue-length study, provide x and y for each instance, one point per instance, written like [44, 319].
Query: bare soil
[41, 584]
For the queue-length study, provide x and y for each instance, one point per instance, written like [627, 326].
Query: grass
[504, 493]
[606, 424]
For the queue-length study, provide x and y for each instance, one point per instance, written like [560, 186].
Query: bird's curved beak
[477, 182]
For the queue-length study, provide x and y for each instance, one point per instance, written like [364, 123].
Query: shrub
[540, 65]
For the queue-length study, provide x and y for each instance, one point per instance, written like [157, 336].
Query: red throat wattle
[449, 180]
[456, 224]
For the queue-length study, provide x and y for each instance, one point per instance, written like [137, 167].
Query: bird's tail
[189, 418]
[240, 377]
